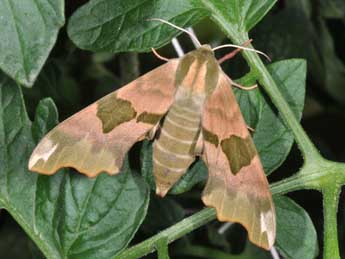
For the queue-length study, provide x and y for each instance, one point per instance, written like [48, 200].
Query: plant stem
[308, 149]
[162, 248]
[171, 234]
[195, 221]
[292, 183]
[330, 208]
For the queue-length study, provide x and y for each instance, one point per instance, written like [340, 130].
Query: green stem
[162, 248]
[292, 183]
[330, 208]
[307, 147]
[310, 153]
[171, 234]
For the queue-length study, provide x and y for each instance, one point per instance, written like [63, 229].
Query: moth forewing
[237, 186]
[97, 138]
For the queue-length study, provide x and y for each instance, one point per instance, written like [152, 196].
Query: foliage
[70, 216]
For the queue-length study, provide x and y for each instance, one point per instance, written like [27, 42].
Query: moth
[187, 108]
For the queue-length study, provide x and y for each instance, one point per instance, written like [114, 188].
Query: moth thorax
[189, 98]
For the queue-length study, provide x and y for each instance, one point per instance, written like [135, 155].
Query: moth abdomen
[173, 150]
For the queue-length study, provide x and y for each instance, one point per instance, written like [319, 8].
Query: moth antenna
[159, 56]
[191, 35]
[195, 43]
[244, 48]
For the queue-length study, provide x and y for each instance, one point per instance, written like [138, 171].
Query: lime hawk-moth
[187, 107]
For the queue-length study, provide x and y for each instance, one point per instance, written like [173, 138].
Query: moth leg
[234, 52]
[152, 133]
[159, 56]
[199, 146]
[247, 88]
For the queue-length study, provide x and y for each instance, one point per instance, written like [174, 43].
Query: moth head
[204, 53]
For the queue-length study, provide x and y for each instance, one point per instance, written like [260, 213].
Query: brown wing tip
[265, 244]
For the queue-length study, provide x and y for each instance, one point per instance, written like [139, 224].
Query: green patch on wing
[113, 111]
[210, 137]
[150, 118]
[212, 75]
[183, 68]
[239, 152]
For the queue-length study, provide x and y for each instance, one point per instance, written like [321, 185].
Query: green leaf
[116, 25]
[325, 68]
[272, 137]
[269, 38]
[169, 211]
[46, 117]
[146, 164]
[195, 174]
[28, 33]
[332, 8]
[296, 234]
[54, 82]
[67, 215]
[242, 14]
[334, 68]
[299, 6]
